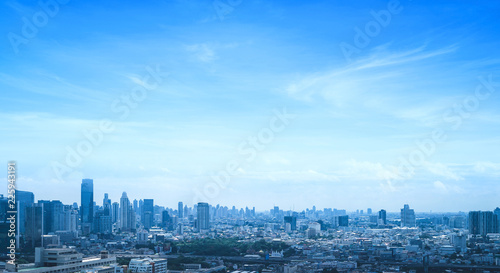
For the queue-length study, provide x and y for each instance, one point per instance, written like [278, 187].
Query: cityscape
[140, 236]
[249, 136]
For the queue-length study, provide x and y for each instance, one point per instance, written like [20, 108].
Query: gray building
[34, 224]
[203, 216]
[408, 218]
[23, 199]
[483, 222]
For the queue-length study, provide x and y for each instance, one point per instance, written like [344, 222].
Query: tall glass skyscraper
[203, 219]
[87, 205]
[180, 210]
[23, 199]
[34, 225]
[148, 213]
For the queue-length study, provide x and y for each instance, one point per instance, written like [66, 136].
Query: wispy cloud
[202, 52]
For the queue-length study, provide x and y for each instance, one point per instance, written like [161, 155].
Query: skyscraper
[203, 219]
[127, 214]
[180, 210]
[34, 224]
[70, 218]
[53, 216]
[408, 217]
[87, 203]
[497, 213]
[23, 199]
[382, 217]
[115, 212]
[124, 211]
[148, 213]
[106, 204]
[483, 222]
[136, 206]
[292, 220]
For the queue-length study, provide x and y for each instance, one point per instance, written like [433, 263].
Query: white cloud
[442, 170]
[483, 167]
[440, 186]
[202, 52]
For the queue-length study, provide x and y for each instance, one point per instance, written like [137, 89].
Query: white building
[148, 265]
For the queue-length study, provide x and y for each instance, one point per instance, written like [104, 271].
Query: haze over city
[336, 104]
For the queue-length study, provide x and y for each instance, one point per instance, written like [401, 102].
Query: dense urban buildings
[117, 240]
[483, 222]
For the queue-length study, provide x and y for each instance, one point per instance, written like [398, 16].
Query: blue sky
[226, 70]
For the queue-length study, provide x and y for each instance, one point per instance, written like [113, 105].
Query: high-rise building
[53, 215]
[369, 211]
[148, 213]
[124, 211]
[34, 224]
[180, 210]
[343, 221]
[4, 207]
[408, 217]
[102, 222]
[497, 213]
[127, 214]
[115, 212]
[136, 207]
[87, 203]
[70, 218]
[23, 199]
[382, 217]
[292, 220]
[203, 219]
[106, 204]
[276, 211]
[483, 222]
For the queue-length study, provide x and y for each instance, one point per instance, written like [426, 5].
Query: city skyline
[134, 206]
[336, 104]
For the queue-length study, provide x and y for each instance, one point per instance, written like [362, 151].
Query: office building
[148, 265]
[148, 213]
[203, 216]
[382, 217]
[408, 217]
[34, 224]
[292, 220]
[106, 204]
[87, 205]
[53, 215]
[67, 260]
[482, 223]
[180, 210]
[497, 213]
[115, 212]
[70, 218]
[23, 199]
[127, 214]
